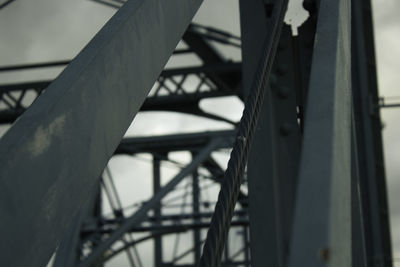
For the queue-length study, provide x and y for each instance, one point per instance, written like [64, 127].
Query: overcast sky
[46, 30]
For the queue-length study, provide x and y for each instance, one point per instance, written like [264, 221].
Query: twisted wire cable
[228, 195]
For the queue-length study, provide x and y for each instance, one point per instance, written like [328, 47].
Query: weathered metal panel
[322, 222]
[53, 155]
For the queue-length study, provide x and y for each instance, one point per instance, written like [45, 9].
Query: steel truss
[315, 174]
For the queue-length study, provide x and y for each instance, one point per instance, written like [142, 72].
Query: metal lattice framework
[308, 147]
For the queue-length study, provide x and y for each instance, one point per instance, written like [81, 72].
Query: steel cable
[228, 195]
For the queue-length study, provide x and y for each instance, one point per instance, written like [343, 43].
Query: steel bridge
[305, 182]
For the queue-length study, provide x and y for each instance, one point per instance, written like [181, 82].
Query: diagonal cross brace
[53, 155]
[140, 215]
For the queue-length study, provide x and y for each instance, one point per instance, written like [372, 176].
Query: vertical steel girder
[272, 165]
[196, 210]
[321, 233]
[158, 257]
[338, 216]
[286, 140]
[229, 193]
[368, 141]
[53, 155]
[263, 243]
[341, 217]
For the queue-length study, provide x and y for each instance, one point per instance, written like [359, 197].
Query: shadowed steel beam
[53, 155]
[196, 209]
[260, 169]
[322, 223]
[61, 63]
[174, 142]
[368, 125]
[142, 214]
[178, 226]
[389, 106]
[158, 253]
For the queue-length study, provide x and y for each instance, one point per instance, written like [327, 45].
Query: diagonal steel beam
[140, 215]
[322, 222]
[54, 154]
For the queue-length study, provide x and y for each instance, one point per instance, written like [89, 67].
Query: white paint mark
[43, 135]
[296, 15]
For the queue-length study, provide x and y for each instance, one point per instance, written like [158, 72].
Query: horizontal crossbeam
[15, 98]
[175, 142]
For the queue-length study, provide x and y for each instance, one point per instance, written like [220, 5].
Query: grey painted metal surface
[322, 224]
[67, 252]
[358, 219]
[173, 101]
[368, 137]
[263, 243]
[53, 155]
[272, 166]
[286, 140]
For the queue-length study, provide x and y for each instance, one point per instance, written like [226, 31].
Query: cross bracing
[292, 192]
